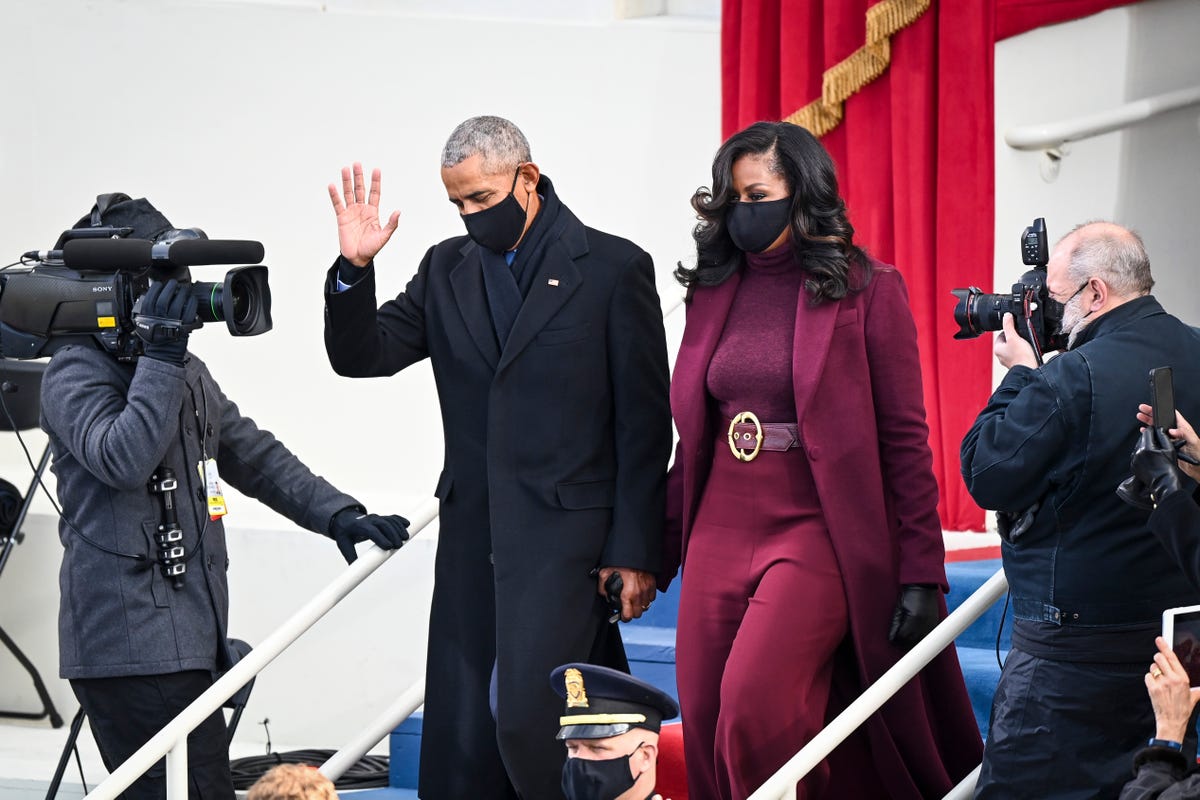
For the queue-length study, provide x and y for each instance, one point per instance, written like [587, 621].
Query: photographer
[1088, 581]
[137, 451]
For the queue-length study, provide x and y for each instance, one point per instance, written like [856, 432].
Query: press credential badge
[212, 485]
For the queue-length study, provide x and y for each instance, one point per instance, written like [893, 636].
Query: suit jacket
[110, 426]
[555, 463]
[861, 418]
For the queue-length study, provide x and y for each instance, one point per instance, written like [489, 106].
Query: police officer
[610, 725]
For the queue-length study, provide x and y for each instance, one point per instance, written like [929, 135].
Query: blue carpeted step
[977, 644]
[405, 750]
[981, 672]
[965, 577]
[390, 793]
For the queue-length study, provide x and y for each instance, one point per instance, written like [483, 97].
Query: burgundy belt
[747, 436]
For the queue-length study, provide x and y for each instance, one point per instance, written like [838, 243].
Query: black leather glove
[163, 319]
[351, 526]
[916, 614]
[1154, 466]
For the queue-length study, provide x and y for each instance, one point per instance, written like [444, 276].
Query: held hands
[1170, 693]
[1010, 348]
[915, 616]
[637, 591]
[350, 526]
[360, 235]
[163, 319]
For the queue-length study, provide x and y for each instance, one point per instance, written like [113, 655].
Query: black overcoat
[556, 452]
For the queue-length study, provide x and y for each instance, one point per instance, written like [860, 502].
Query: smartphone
[1162, 398]
[1181, 629]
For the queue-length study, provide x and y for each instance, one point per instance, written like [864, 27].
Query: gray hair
[1112, 253]
[500, 142]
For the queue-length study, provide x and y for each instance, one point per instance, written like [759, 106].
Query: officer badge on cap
[576, 693]
[617, 702]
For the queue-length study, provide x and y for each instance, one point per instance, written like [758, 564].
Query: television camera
[89, 289]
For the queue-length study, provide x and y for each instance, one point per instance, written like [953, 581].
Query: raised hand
[360, 235]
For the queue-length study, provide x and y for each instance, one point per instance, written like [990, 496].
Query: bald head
[1110, 252]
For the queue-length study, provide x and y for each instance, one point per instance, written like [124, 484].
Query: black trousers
[124, 713]
[1066, 730]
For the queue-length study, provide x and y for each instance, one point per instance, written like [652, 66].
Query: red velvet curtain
[915, 161]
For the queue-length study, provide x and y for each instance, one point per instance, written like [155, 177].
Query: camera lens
[976, 312]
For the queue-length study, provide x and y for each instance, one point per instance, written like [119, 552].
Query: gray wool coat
[110, 426]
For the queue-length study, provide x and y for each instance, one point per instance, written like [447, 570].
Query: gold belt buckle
[738, 447]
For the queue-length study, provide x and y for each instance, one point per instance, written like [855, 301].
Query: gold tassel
[861, 67]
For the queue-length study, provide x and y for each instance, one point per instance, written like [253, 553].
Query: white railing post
[878, 693]
[251, 664]
[177, 770]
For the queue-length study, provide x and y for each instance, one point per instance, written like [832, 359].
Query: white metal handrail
[1052, 135]
[782, 784]
[171, 741]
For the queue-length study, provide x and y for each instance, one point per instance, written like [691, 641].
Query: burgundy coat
[862, 423]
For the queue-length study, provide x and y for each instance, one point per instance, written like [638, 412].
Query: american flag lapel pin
[553, 281]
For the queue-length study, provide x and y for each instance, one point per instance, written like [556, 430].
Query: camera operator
[144, 608]
[1088, 581]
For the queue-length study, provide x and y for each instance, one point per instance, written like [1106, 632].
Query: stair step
[965, 578]
[981, 673]
[650, 647]
[389, 793]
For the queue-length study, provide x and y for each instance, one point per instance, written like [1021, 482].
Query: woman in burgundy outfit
[802, 501]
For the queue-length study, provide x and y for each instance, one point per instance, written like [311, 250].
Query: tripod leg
[72, 737]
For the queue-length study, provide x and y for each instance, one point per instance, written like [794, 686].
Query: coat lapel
[557, 278]
[466, 281]
[810, 346]
[706, 320]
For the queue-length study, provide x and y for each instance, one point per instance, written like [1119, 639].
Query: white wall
[1147, 177]
[233, 116]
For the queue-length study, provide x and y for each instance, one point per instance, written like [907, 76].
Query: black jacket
[1163, 774]
[1055, 442]
[555, 462]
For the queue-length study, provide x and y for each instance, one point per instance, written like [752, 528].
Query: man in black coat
[1088, 579]
[549, 355]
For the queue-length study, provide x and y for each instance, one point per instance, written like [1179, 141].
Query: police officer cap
[603, 702]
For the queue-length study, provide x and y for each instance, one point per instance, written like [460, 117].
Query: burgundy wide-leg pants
[762, 611]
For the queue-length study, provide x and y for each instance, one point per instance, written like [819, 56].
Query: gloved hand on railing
[916, 614]
[351, 526]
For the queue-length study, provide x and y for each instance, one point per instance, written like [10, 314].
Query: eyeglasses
[1082, 286]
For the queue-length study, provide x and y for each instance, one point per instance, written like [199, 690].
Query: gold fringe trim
[862, 66]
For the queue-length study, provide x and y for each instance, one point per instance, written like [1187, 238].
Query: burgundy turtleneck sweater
[751, 369]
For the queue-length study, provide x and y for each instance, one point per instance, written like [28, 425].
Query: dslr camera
[1037, 317]
[88, 289]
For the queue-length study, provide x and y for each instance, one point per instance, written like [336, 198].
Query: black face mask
[597, 780]
[500, 227]
[754, 226]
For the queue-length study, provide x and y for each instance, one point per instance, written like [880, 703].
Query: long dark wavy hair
[821, 235]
